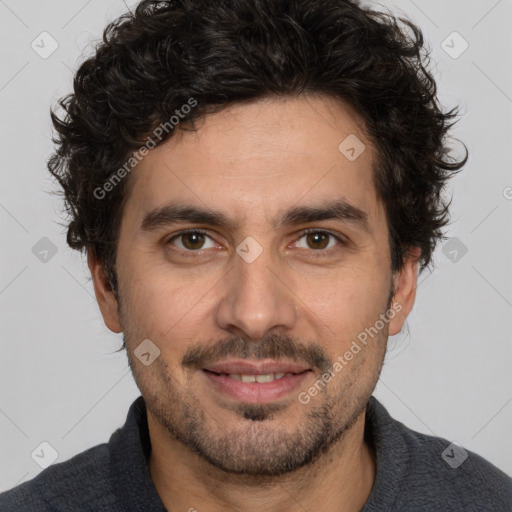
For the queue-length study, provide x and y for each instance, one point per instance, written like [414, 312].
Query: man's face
[223, 308]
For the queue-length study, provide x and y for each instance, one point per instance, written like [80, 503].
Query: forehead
[254, 160]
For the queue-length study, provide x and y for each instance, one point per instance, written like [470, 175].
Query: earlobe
[405, 282]
[105, 296]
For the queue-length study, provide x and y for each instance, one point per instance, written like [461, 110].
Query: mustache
[270, 347]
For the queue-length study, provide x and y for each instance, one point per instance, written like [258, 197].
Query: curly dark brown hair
[153, 60]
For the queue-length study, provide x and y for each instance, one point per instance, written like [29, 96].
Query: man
[257, 185]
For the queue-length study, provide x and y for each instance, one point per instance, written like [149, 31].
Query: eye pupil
[318, 237]
[196, 239]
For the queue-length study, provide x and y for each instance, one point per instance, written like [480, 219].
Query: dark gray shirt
[412, 474]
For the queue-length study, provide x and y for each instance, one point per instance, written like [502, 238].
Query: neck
[341, 479]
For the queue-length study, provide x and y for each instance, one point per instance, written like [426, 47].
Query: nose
[256, 298]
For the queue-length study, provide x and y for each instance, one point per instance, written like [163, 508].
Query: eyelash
[194, 254]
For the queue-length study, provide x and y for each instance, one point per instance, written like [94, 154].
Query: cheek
[348, 303]
[166, 306]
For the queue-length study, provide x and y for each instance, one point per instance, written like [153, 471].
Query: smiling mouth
[260, 378]
[255, 382]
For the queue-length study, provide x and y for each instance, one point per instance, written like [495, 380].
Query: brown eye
[193, 241]
[317, 240]
[190, 241]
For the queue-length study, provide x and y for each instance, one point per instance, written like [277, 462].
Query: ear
[105, 296]
[405, 282]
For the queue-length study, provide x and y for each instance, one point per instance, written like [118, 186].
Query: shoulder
[68, 485]
[417, 472]
[449, 477]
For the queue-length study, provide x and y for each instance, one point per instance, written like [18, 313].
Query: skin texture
[251, 162]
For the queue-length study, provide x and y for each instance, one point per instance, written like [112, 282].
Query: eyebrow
[338, 209]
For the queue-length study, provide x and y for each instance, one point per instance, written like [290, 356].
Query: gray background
[60, 380]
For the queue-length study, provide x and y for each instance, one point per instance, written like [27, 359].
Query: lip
[255, 368]
[255, 392]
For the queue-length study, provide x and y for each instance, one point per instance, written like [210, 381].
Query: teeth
[268, 377]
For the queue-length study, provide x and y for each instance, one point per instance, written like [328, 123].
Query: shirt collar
[130, 447]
